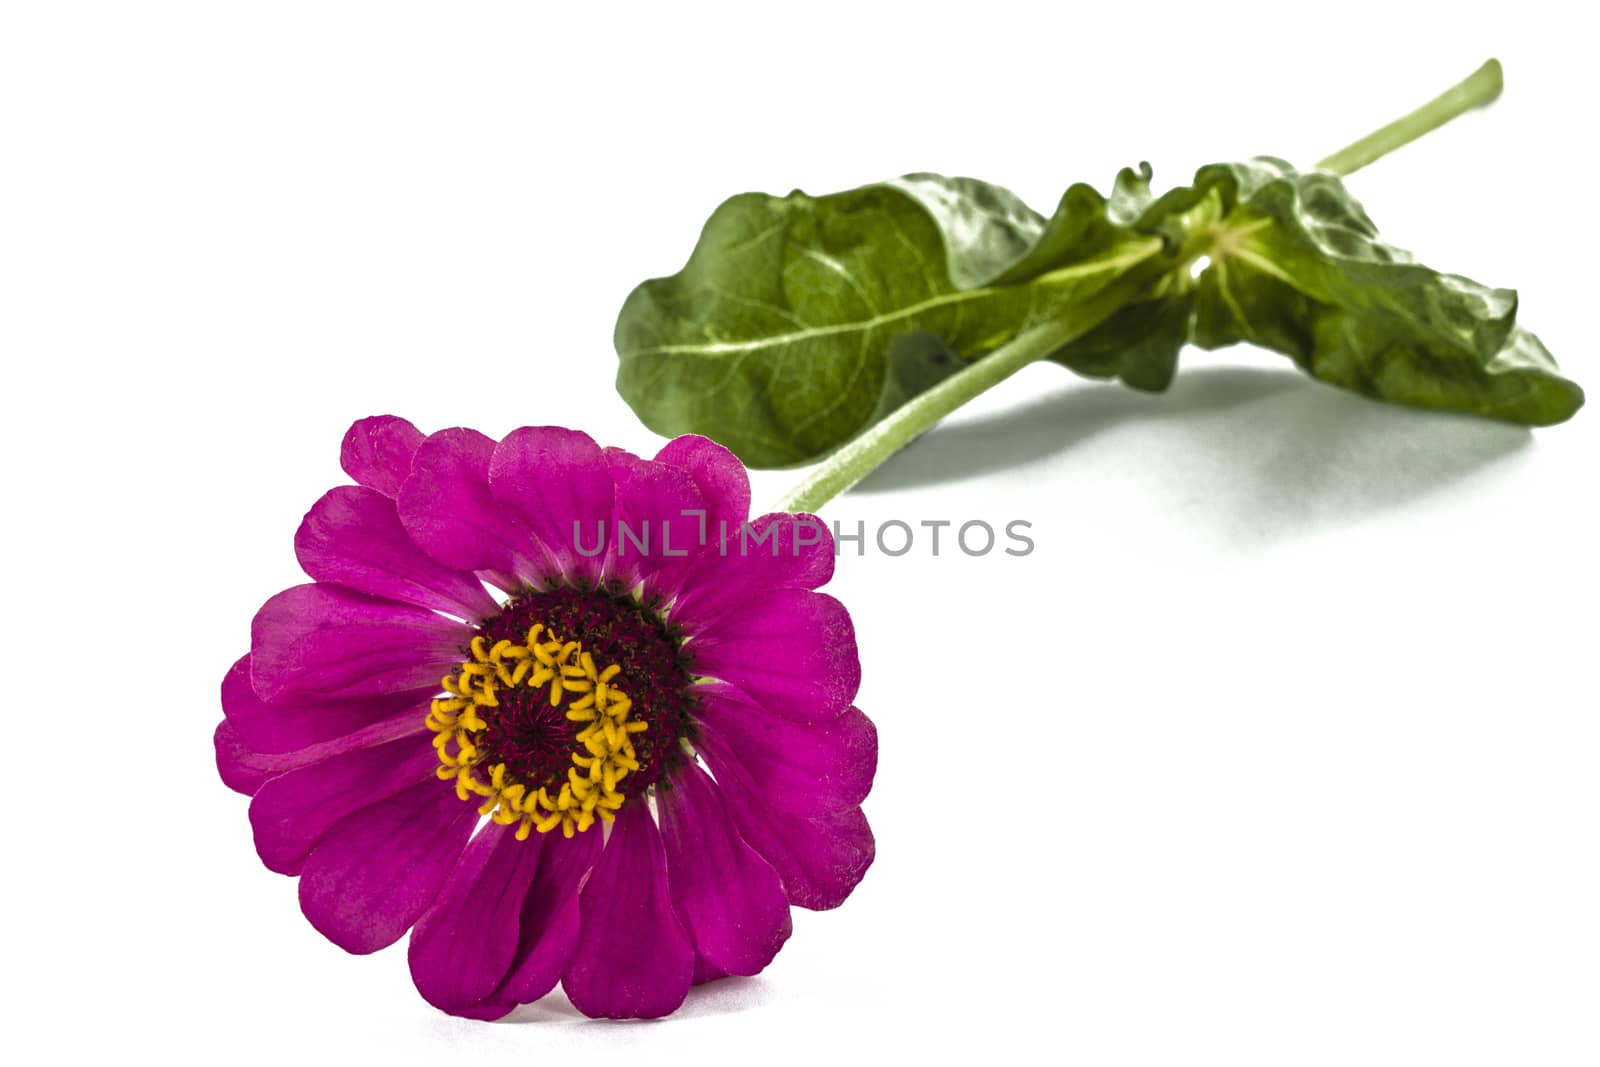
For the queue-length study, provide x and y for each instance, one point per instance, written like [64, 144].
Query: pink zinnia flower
[618, 773]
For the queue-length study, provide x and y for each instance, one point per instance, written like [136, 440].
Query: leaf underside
[800, 321]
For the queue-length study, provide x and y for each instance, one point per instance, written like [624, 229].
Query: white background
[1280, 749]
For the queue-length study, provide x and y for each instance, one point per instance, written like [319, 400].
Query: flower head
[540, 707]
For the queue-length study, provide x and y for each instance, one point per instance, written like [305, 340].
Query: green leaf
[786, 334]
[800, 321]
[1297, 266]
[1139, 344]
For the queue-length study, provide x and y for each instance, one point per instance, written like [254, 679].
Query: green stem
[1479, 89]
[863, 454]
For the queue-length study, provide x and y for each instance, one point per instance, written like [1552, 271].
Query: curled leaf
[1298, 267]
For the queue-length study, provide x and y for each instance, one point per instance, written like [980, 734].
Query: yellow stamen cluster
[605, 752]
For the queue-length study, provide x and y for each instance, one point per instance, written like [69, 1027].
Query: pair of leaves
[799, 321]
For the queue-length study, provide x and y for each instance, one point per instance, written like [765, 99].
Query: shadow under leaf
[1263, 451]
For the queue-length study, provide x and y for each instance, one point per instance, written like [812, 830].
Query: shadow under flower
[1257, 452]
[725, 996]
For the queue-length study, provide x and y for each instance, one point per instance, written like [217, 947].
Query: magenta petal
[779, 551]
[291, 812]
[656, 534]
[244, 770]
[820, 860]
[327, 641]
[557, 483]
[724, 486]
[270, 728]
[793, 651]
[633, 959]
[728, 896]
[446, 507]
[353, 536]
[379, 869]
[463, 947]
[550, 916]
[377, 452]
[806, 769]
